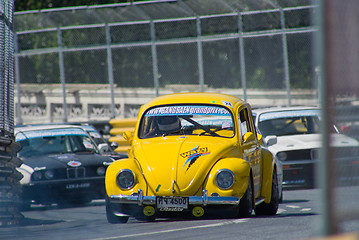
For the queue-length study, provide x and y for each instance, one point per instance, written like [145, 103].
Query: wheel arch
[111, 177]
[268, 165]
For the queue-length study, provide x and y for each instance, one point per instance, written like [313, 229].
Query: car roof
[44, 127]
[194, 97]
[88, 128]
[281, 109]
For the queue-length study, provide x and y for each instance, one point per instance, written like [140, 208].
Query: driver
[168, 124]
[164, 125]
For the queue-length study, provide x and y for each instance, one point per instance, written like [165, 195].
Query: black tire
[281, 197]
[245, 206]
[111, 217]
[270, 208]
[145, 218]
[68, 203]
[25, 205]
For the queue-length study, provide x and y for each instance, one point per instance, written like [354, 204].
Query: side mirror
[114, 145]
[260, 138]
[270, 140]
[103, 148]
[248, 137]
[128, 136]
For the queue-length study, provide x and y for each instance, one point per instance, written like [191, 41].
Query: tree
[25, 5]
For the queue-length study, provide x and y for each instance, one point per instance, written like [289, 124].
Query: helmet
[168, 123]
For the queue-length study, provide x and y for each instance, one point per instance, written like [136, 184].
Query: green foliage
[24, 5]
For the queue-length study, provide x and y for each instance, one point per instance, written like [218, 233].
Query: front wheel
[270, 208]
[111, 216]
[245, 206]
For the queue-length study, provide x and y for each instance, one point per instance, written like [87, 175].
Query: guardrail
[119, 126]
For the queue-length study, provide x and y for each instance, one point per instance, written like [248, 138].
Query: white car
[292, 135]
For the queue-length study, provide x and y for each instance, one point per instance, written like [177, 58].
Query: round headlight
[282, 156]
[125, 179]
[49, 174]
[225, 178]
[101, 171]
[37, 175]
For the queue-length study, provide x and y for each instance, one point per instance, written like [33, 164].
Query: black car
[61, 164]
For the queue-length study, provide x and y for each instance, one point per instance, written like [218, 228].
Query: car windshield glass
[289, 123]
[53, 142]
[201, 120]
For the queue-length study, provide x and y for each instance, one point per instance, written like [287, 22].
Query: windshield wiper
[208, 130]
[216, 130]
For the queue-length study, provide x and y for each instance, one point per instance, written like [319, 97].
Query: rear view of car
[61, 164]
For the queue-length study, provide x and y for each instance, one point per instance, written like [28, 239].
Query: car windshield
[57, 141]
[187, 120]
[289, 122]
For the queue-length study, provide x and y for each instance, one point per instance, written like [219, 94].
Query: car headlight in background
[282, 156]
[43, 175]
[37, 175]
[125, 179]
[49, 174]
[224, 178]
[101, 171]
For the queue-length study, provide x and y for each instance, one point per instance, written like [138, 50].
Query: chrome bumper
[193, 200]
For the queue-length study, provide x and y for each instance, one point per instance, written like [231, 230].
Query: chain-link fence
[10, 188]
[257, 50]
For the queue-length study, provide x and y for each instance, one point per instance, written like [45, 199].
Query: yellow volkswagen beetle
[192, 153]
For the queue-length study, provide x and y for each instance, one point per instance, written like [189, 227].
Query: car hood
[310, 141]
[55, 161]
[174, 165]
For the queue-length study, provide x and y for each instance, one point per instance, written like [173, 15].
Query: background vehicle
[60, 165]
[104, 146]
[193, 153]
[294, 138]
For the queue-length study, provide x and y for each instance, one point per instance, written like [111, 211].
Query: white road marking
[292, 206]
[176, 230]
[306, 210]
[281, 210]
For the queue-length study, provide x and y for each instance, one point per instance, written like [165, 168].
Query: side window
[244, 123]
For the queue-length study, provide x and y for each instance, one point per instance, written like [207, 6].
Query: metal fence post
[241, 56]
[154, 57]
[285, 57]
[199, 54]
[327, 222]
[17, 78]
[62, 73]
[110, 70]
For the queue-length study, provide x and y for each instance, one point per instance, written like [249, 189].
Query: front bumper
[203, 200]
[298, 174]
[52, 191]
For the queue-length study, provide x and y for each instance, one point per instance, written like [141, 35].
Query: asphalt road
[298, 218]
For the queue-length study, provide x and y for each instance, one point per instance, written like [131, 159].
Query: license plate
[77, 185]
[172, 203]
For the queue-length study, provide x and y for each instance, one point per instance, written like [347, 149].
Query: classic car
[192, 154]
[105, 148]
[61, 165]
[293, 134]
